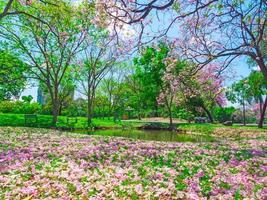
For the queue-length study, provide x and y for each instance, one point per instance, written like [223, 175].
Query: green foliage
[49, 45]
[248, 89]
[12, 75]
[150, 68]
[27, 99]
[222, 114]
[7, 119]
[257, 85]
[19, 107]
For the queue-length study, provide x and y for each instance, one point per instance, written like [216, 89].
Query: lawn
[40, 163]
[46, 121]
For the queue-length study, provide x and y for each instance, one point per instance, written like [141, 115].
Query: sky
[239, 67]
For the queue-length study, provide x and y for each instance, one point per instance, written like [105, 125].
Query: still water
[154, 135]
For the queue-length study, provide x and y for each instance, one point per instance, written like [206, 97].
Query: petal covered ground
[46, 164]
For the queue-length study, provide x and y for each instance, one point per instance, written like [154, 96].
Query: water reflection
[155, 135]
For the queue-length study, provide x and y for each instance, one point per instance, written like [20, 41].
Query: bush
[184, 114]
[19, 107]
[222, 114]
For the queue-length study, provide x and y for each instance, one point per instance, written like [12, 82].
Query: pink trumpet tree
[206, 29]
[203, 89]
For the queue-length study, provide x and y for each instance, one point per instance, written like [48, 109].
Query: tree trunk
[60, 109]
[156, 114]
[90, 106]
[171, 122]
[208, 113]
[244, 113]
[89, 112]
[55, 112]
[263, 110]
[89, 102]
[139, 115]
[262, 68]
[55, 106]
[170, 117]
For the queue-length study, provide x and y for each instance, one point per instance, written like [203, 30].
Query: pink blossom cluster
[170, 82]
[256, 108]
[210, 81]
[25, 2]
[206, 83]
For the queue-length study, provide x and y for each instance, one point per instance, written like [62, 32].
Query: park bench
[201, 120]
[30, 119]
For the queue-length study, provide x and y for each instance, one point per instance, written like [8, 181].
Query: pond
[154, 135]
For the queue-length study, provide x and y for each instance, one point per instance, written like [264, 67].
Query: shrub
[19, 107]
[222, 114]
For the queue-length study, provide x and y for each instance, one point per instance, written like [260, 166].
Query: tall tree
[171, 81]
[99, 58]
[211, 29]
[150, 67]
[258, 89]
[50, 48]
[238, 93]
[202, 90]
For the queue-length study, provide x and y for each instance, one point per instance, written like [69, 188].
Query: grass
[206, 129]
[45, 121]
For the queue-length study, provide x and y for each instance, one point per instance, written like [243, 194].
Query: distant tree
[253, 90]
[223, 114]
[135, 95]
[113, 87]
[101, 105]
[238, 93]
[66, 91]
[13, 75]
[258, 91]
[99, 58]
[76, 108]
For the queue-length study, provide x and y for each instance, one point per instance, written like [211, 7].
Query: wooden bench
[30, 119]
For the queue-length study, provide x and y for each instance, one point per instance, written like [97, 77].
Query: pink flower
[30, 190]
[159, 175]
[139, 189]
